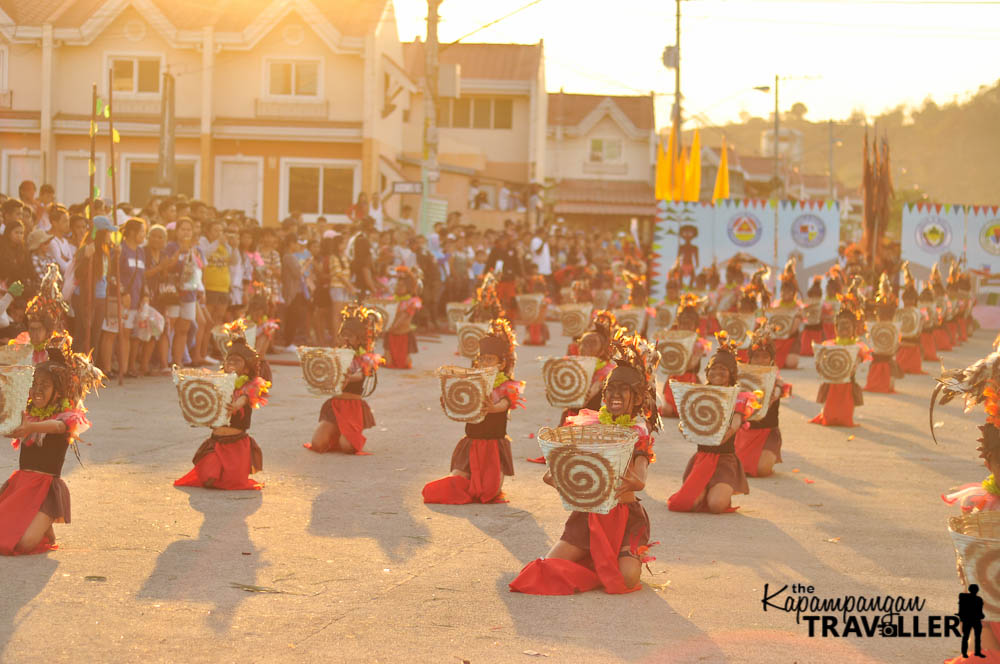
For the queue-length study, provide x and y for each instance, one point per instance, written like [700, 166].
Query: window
[3, 67]
[316, 190]
[476, 113]
[142, 177]
[18, 167]
[74, 175]
[293, 78]
[605, 150]
[135, 74]
[461, 113]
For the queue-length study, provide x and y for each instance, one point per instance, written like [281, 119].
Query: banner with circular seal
[744, 229]
[983, 245]
[933, 234]
[930, 230]
[808, 231]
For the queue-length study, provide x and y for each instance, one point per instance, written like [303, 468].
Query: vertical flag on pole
[692, 176]
[721, 191]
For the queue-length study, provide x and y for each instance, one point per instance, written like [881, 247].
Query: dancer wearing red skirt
[714, 474]
[758, 445]
[344, 417]
[928, 308]
[35, 496]
[399, 339]
[228, 458]
[812, 332]
[483, 458]
[607, 550]
[835, 282]
[908, 356]
[884, 371]
[686, 320]
[840, 399]
[942, 338]
[538, 331]
[787, 347]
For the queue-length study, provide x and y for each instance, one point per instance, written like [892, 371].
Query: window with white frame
[476, 113]
[141, 174]
[315, 189]
[74, 175]
[605, 150]
[135, 74]
[19, 166]
[293, 78]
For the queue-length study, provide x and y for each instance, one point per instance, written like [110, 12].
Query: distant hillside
[951, 152]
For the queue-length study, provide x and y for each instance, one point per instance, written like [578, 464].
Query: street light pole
[677, 86]
[777, 130]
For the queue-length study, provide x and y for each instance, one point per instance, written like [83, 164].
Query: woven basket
[529, 306]
[675, 347]
[812, 314]
[204, 396]
[567, 379]
[15, 354]
[835, 364]
[751, 378]
[602, 298]
[325, 369]
[738, 327]
[458, 312]
[575, 318]
[780, 323]
[632, 319]
[469, 335]
[976, 537]
[884, 337]
[465, 392]
[15, 384]
[705, 411]
[586, 463]
[910, 320]
[386, 309]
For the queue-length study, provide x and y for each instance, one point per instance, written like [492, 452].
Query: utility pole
[832, 192]
[429, 167]
[777, 140]
[166, 178]
[677, 87]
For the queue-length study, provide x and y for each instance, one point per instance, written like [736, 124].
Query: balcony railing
[292, 109]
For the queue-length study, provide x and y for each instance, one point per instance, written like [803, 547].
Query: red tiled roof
[350, 17]
[619, 197]
[757, 167]
[569, 110]
[505, 62]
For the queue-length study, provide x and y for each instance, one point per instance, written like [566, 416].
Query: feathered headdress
[834, 281]
[237, 345]
[909, 286]
[580, 290]
[500, 340]
[74, 374]
[885, 298]
[953, 275]
[851, 306]
[636, 283]
[726, 355]
[734, 271]
[689, 305]
[674, 276]
[757, 280]
[815, 287]
[760, 339]
[362, 321]
[978, 383]
[604, 323]
[48, 307]
[535, 284]
[636, 361]
[487, 305]
[409, 279]
[789, 280]
[937, 286]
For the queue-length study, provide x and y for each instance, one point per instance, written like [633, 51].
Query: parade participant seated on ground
[399, 339]
[883, 371]
[758, 445]
[714, 473]
[840, 399]
[483, 457]
[908, 355]
[928, 310]
[813, 333]
[942, 339]
[229, 456]
[534, 284]
[344, 417]
[686, 320]
[834, 286]
[608, 549]
[35, 496]
[787, 349]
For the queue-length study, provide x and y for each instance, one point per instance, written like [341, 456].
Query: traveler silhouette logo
[970, 612]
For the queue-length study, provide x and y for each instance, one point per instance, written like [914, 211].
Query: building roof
[350, 17]
[757, 168]
[569, 110]
[504, 62]
[604, 197]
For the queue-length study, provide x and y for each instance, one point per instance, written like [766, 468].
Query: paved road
[365, 572]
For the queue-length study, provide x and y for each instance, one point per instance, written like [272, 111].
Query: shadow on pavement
[23, 578]
[516, 529]
[202, 570]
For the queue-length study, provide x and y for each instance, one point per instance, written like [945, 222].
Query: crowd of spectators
[185, 267]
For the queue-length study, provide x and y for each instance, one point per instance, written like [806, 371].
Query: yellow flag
[680, 173]
[93, 128]
[692, 184]
[670, 178]
[91, 167]
[721, 191]
[115, 136]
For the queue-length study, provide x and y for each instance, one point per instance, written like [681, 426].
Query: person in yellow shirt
[218, 257]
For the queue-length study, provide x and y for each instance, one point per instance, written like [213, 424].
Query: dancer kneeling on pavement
[758, 446]
[229, 456]
[483, 458]
[344, 417]
[687, 320]
[399, 339]
[840, 399]
[714, 474]
[35, 496]
[608, 550]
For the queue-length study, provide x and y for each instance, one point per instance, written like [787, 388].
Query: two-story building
[491, 136]
[601, 159]
[281, 105]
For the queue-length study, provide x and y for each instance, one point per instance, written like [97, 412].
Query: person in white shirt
[406, 218]
[503, 198]
[61, 250]
[375, 212]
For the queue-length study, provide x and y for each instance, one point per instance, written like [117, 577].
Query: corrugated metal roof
[569, 110]
[504, 62]
[607, 197]
[30, 12]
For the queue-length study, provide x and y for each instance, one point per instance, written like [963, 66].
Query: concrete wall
[568, 157]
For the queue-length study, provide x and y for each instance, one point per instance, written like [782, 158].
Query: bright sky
[838, 55]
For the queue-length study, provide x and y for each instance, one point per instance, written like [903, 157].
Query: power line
[491, 23]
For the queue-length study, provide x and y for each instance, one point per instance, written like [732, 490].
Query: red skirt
[908, 359]
[951, 327]
[705, 470]
[941, 339]
[555, 576]
[838, 405]
[668, 395]
[751, 442]
[351, 417]
[829, 331]
[927, 347]
[225, 462]
[398, 350]
[808, 337]
[880, 377]
[963, 329]
[538, 334]
[22, 496]
[708, 326]
[783, 348]
[486, 461]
